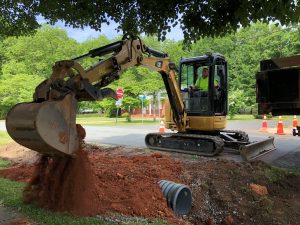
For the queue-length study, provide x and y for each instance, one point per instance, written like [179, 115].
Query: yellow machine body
[195, 123]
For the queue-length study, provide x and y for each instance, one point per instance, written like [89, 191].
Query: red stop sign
[120, 93]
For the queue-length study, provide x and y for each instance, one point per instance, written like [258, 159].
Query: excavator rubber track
[194, 144]
[229, 141]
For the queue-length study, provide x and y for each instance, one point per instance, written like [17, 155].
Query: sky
[109, 31]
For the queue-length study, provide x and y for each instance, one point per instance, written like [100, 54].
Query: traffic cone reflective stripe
[161, 127]
[264, 126]
[280, 126]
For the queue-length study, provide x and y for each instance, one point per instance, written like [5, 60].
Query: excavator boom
[48, 124]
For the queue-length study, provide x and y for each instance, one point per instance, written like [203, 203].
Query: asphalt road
[287, 153]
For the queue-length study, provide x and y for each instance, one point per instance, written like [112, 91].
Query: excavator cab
[203, 84]
[202, 81]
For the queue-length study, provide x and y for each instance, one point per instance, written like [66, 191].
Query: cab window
[187, 76]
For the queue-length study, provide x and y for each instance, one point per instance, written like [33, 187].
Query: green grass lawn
[4, 138]
[242, 117]
[96, 120]
[285, 118]
[4, 163]
[250, 117]
[11, 196]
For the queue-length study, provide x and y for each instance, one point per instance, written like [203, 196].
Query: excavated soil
[18, 172]
[20, 221]
[101, 181]
[18, 154]
[96, 183]
[222, 194]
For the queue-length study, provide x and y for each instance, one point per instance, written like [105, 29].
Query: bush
[256, 116]
[127, 116]
[236, 102]
[113, 112]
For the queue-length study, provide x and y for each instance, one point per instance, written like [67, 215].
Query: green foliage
[256, 116]
[294, 171]
[197, 18]
[4, 163]
[15, 89]
[237, 100]
[36, 54]
[267, 203]
[274, 174]
[107, 106]
[4, 138]
[127, 116]
[27, 60]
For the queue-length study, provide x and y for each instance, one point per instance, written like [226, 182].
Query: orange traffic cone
[295, 121]
[280, 126]
[264, 126]
[161, 127]
[295, 124]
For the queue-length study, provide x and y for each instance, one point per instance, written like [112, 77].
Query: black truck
[278, 86]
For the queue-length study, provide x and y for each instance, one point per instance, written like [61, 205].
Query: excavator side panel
[206, 123]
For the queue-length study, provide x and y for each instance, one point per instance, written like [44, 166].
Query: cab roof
[202, 58]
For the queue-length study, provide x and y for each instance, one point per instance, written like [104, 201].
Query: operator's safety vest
[203, 86]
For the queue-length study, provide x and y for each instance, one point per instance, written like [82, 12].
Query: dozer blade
[48, 127]
[256, 149]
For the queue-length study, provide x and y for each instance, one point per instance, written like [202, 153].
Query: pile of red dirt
[20, 221]
[98, 183]
[18, 172]
[18, 154]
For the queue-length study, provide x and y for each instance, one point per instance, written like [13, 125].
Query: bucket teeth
[48, 127]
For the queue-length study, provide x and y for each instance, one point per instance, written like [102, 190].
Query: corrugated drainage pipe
[178, 196]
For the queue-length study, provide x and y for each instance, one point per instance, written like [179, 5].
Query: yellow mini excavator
[48, 124]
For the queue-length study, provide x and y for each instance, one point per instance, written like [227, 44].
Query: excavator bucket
[48, 127]
[256, 149]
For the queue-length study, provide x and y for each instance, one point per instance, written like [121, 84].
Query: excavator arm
[48, 124]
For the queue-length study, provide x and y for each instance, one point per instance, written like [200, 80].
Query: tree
[28, 60]
[134, 81]
[16, 89]
[243, 50]
[197, 18]
[35, 54]
[236, 102]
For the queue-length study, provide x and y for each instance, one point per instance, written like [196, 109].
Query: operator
[202, 81]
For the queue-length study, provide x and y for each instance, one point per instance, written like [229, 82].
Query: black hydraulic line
[156, 53]
[113, 47]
